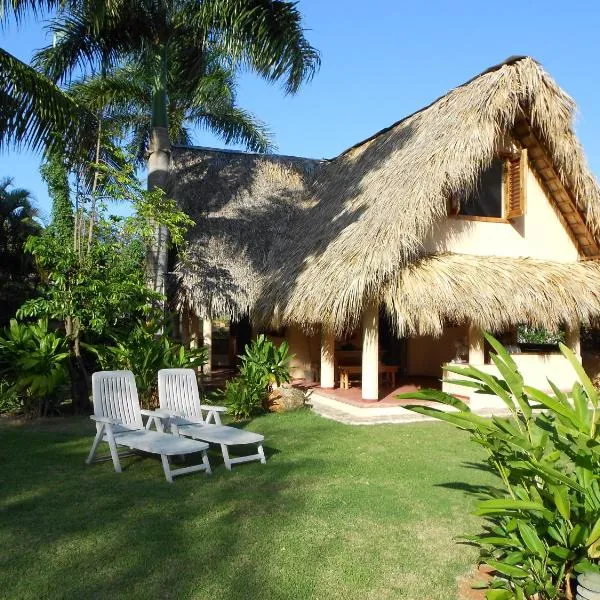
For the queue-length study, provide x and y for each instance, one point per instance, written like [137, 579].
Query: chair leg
[166, 467]
[97, 440]
[226, 458]
[113, 449]
[206, 462]
[261, 452]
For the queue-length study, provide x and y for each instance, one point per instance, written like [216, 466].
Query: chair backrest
[115, 395]
[178, 391]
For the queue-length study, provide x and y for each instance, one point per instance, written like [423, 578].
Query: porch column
[327, 359]
[370, 352]
[572, 340]
[476, 346]
[207, 342]
[194, 330]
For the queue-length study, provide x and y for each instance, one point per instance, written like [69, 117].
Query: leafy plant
[545, 527]
[263, 364]
[145, 353]
[33, 363]
[538, 335]
[244, 396]
[265, 361]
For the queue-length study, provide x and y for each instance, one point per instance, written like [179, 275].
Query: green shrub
[243, 396]
[145, 352]
[544, 527]
[33, 366]
[9, 399]
[263, 364]
[263, 360]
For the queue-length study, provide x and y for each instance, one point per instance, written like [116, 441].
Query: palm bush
[263, 365]
[144, 352]
[544, 527]
[33, 366]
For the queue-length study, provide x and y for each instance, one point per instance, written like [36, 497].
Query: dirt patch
[477, 576]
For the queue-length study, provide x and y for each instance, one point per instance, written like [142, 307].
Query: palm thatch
[374, 204]
[240, 203]
[361, 219]
[492, 292]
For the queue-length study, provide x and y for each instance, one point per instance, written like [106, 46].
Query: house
[477, 212]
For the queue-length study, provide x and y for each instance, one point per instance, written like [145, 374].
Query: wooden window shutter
[515, 184]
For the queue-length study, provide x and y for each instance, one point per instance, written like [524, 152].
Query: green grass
[338, 511]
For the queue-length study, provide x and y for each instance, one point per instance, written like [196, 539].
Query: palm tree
[262, 35]
[124, 98]
[17, 223]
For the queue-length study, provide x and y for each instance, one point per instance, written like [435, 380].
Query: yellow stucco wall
[307, 350]
[539, 234]
[425, 354]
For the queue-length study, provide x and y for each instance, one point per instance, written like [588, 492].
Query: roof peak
[245, 153]
[511, 60]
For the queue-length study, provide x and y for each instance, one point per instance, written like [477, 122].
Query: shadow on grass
[97, 534]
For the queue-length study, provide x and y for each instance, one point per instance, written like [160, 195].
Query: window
[499, 194]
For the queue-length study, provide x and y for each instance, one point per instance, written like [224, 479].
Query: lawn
[338, 511]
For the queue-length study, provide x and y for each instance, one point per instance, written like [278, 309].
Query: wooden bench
[388, 372]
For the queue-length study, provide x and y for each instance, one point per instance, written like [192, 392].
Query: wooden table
[388, 372]
[345, 372]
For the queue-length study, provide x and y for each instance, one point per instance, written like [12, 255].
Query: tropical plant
[266, 37]
[266, 362]
[244, 396]
[544, 526]
[538, 335]
[91, 264]
[263, 365]
[144, 350]
[33, 362]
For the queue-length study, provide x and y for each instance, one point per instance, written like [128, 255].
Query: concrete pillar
[194, 330]
[476, 346]
[370, 352]
[572, 340]
[327, 359]
[207, 342]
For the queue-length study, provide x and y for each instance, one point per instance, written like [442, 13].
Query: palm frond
[235, 126]
[18, 8]
[35, 113]
[266, 35]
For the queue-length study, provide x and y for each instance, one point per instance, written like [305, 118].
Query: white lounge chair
[119, 422]
[180, 404]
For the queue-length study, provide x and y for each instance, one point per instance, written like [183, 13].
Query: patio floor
[387, 395]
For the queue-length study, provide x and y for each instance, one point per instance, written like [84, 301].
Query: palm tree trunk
[158, 167]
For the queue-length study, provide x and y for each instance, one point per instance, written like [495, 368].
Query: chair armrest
[210, 407]
[158, 413]
[105, 420]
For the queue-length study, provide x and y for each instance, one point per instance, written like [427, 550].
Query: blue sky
[385, 59]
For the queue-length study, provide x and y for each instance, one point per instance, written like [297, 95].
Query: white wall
[425, 355]
[535, 368]
[539, 234]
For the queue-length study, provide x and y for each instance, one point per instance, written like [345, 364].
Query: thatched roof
[492, 292]
[240, 203]
[356, 227]
[375, 203]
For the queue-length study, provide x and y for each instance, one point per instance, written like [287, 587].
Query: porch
[380, 366]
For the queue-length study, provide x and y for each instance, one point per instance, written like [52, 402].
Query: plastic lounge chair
[119, 422]
[180, 404]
